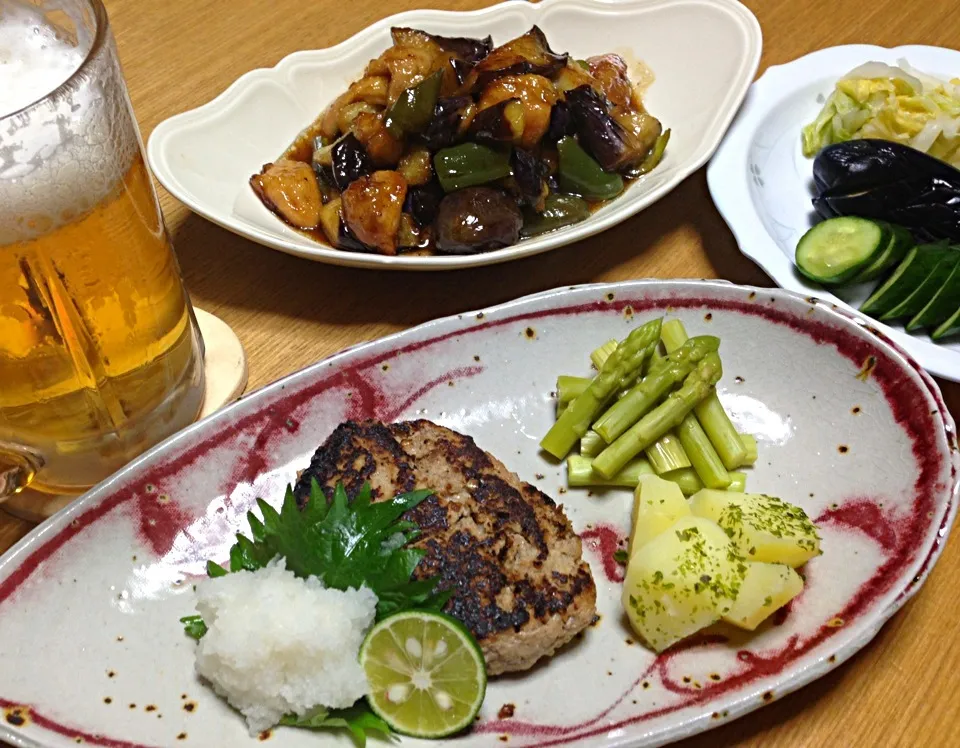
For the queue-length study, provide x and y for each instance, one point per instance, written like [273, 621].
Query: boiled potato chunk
[657, 504]
[762, 528]
[765, 588]
[684, 579]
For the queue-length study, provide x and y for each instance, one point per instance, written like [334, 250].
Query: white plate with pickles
[806, 469]
[763, 183]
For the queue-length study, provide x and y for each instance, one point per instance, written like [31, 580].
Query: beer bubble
[58, 157]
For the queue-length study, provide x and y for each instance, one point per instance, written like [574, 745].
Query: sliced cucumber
[950, 326]
[898, 245]
[923, 292]
[943, 303]
[836, 250]
[910, 273]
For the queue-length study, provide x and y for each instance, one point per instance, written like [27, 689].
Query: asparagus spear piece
[690, 482]
[691, 351]
[661, 419]
[592, 444]
[714, 419]
[664, 374]
[721, 431]
[619, 369]
[750, 445]
[569, 387]
[706, 462]
[667, 453]
[638, 401]
[580, 473]
[673, 334]
[603, 353]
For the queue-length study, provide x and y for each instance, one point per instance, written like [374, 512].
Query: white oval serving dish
[704, 53]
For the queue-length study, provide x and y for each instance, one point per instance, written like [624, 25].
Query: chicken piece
[506, 550]
[610, 73]
[290, 189]
[383, 148]
[371, 209]
[348, 114]
[573, 76]
[413, 57]
[537, 95]
[371, 89]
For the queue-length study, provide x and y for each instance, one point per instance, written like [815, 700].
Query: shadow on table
[222, 268]
[716, 238]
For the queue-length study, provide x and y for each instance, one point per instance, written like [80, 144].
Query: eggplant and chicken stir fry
[452, 146]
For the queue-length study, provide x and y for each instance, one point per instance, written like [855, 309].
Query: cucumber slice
[899, 243]
[950, 326]
[918, 263]
[836, 250]
[942, 304]
[925, 290]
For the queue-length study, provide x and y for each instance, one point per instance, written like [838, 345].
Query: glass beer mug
[100, 355]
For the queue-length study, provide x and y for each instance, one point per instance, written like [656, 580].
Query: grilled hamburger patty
[506, 549]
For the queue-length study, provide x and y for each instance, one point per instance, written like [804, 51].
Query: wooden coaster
[224, 363]
[225, 371]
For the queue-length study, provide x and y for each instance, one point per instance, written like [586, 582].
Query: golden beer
[99, 354]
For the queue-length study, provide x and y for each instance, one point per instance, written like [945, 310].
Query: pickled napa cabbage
[899, 103]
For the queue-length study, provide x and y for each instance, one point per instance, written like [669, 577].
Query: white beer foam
[60, 157]
[33, 61]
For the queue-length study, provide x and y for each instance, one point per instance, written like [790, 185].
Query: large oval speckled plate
[847, 426]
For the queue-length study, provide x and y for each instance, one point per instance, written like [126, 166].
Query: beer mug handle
[18, 465]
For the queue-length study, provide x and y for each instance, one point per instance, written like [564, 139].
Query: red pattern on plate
[604, 541]
[865, 516]
[78, 735]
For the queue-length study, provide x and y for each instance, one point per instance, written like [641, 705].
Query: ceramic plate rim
[728, 180]
[166, 173]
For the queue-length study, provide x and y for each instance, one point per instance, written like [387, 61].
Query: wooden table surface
[901, 689]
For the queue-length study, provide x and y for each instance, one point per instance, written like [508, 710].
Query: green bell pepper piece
[412, 111]
[558, 211]
[580, 174]
[470, 164]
